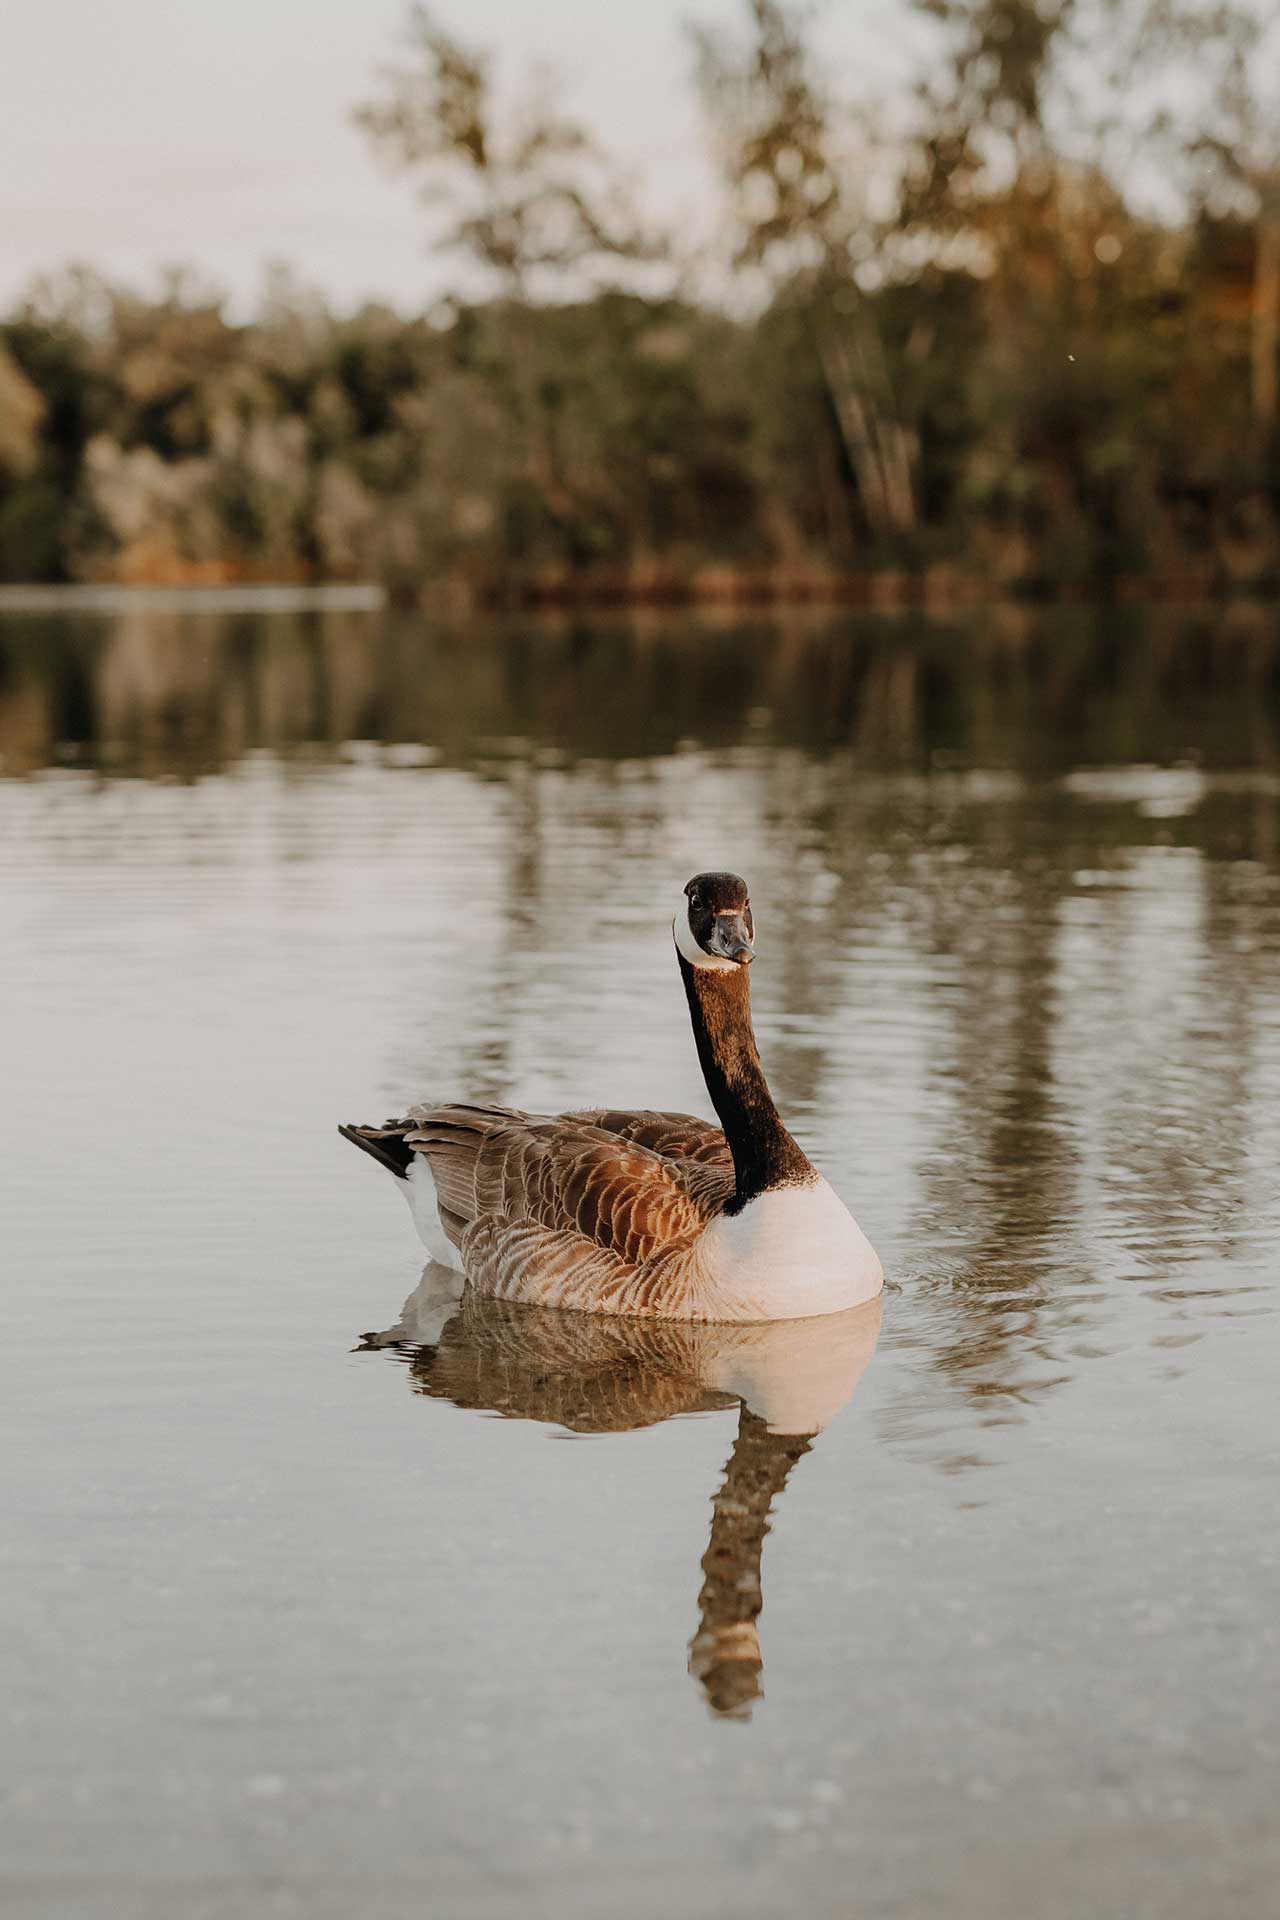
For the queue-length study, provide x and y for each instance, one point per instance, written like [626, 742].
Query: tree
[527, 201]
[797, 219]
[1239, 152]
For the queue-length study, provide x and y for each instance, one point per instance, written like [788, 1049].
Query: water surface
[324, 1594]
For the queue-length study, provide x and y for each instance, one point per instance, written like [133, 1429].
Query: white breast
[790, 1253]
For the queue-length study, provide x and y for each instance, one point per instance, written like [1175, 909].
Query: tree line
[1017, 328]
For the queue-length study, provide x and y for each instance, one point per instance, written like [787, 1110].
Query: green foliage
[1010, 369]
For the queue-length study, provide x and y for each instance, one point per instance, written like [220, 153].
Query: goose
[661, 1215]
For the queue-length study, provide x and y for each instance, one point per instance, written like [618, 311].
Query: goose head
[713, 926]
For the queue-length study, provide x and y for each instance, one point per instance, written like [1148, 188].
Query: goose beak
[731, 939]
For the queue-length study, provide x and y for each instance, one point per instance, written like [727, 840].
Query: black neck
[764, 1154]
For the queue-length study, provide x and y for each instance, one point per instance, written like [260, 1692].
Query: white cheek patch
[692, 952]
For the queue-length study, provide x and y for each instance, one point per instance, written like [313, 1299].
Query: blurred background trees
[530, 201]
[1020, 328]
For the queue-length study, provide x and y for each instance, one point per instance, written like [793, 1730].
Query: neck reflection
[724, 1654]
[594, 1373]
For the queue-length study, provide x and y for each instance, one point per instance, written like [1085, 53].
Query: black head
[720, 927]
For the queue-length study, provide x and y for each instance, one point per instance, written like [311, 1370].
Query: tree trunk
[1266, 316]
[878, 445]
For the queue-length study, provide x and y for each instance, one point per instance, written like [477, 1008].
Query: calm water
[325, 1598]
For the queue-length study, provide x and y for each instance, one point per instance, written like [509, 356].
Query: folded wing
[576, 1209]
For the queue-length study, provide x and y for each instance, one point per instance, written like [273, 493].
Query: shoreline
[933, 590]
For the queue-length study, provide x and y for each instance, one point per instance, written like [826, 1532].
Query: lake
[325, 1596]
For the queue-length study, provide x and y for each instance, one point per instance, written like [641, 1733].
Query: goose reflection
[597, 1373]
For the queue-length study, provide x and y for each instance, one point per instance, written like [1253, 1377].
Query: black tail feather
[385, 1144]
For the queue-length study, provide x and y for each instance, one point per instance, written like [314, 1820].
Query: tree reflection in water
[188, 691]
[591, 1373]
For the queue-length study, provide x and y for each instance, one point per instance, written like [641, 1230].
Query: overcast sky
[139, 133]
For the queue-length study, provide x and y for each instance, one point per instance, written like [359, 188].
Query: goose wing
[676, 1136]
[559, 1210]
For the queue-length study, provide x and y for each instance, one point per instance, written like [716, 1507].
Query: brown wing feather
[562, 1175]
[676, 1136]
[567, 1213]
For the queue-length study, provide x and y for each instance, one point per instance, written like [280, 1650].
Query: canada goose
[658, 1214]
[596, 1373]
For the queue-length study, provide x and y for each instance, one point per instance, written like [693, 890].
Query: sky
[137, 134]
